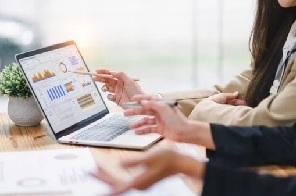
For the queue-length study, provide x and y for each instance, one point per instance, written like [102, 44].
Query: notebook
[72, 104]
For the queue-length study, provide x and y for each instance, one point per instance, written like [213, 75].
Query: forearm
[189, 166]
[239, 83]
[247, 143]
[209, 111]
[198, 133]
[257, 144]
[187, 100]
[275, 110]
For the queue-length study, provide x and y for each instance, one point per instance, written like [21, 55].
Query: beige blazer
[275, 110]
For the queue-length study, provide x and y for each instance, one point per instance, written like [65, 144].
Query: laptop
[72, 104]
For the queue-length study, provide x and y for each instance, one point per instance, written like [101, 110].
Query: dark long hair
[270, 30]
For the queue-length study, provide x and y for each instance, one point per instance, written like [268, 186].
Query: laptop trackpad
[136, 140]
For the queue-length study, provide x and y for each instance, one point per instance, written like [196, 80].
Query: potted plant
[22, 107]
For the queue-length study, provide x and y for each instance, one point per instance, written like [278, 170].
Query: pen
[97, 74]
[138, 105]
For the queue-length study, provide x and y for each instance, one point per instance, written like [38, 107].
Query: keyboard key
[106, 130]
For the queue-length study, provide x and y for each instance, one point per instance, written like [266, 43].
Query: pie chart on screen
[63, 67]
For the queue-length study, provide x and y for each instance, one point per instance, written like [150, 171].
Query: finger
[137, 111]
[109, 81]
[143, 181]
[122, 76]
[108, 88]
[236, 102]
[128, 164]
[219, 98]
[119, 90]
[147, 179]
[143, 161]
[118, 190]
[105, 88]
[140, 97]
[111, 97]
[178, 111]
[239, 102]
[111, 89]
[155, 106]
[133, 163]
[117, 186]
[103, 71]
[104, 176]
[143, 122]
[231, 95]
[230, 102]
[146, 130]
[224, 96]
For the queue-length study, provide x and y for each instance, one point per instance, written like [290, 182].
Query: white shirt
[288, 46]
[291, 40]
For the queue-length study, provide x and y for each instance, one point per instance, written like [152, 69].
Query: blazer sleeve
[275, 110]
[258, 145]
[189, 99]
[224, 181]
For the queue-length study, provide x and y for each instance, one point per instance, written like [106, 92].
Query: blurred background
[169, 44]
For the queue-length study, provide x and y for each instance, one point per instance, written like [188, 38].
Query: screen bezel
[77, 125]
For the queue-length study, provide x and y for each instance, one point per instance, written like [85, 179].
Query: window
[169, 44]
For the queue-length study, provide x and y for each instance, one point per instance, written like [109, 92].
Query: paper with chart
[63, 171]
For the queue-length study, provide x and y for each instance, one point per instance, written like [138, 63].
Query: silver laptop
[72, 103]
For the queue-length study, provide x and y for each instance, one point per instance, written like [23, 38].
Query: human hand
[227, 98]
[120, 86]
[163, 119]
[157, 167]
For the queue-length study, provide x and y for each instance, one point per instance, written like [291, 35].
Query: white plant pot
[24, 112]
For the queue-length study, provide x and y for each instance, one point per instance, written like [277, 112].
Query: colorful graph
[39, 76]
[56, 92]
[85, 101]
[84, 84]
[73, 60]
[69, 86]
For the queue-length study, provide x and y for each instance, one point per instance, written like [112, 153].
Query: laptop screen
[66, 98]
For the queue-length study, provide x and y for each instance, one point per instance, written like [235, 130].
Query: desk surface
[15, 138]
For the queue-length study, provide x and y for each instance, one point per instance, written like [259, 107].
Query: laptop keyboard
[106, 130]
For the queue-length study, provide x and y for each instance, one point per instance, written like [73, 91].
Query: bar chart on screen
[56, 92]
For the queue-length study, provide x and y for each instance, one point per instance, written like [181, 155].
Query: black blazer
[240, 147]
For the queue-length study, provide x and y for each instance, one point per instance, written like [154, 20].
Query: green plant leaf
[13, 83]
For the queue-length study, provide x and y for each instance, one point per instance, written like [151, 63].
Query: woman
[223, 175]
[253, 105]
